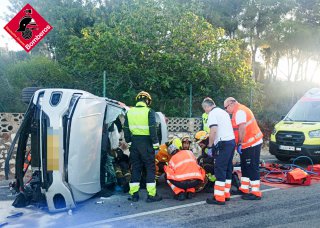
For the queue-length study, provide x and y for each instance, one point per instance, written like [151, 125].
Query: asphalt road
[294, 207]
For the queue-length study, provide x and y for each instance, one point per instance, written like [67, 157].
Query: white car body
[72, 137]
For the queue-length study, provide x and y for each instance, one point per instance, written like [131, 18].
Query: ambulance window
[305, 111]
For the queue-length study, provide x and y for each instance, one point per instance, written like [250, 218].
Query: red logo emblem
[28, 28]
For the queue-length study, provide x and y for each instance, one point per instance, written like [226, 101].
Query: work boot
[190, 195]
[181, 196]
[250, 196]
[155, 198]
[214, 201]
[134, 197]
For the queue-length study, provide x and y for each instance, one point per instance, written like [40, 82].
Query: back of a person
[185, 163]
[225, 130]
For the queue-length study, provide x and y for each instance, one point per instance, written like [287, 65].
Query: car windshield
[305, 111]
[112, 113]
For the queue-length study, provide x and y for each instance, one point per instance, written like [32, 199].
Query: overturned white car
[69, 138]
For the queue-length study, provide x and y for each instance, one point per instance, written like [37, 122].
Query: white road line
[4, 186]
[101, 222]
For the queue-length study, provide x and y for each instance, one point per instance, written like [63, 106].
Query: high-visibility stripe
[245, 179]
[250, 121]
[134, 184]
[175, 189]
[174, 177]
[184, 162]
[227, 188]
[253, 138]
[221, 188]
[139, 127]
[244, 187]
[219, 183]
[218, 193]
[256, 182]
[255, 189]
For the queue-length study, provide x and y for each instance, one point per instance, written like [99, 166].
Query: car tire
[282, 158]
[27, 94]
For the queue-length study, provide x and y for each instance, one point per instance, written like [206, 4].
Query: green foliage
[162, 49]
[36, 71]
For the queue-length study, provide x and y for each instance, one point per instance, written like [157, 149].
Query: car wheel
[282, 158]
[27, 94]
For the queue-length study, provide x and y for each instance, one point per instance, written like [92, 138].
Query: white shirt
[241, 117]
[221, 119]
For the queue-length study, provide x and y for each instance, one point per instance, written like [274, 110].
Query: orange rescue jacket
[183, 166]
[253, 133]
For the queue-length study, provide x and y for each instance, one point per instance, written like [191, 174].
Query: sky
[5, 38]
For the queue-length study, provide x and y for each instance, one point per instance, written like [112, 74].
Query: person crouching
[183, 173]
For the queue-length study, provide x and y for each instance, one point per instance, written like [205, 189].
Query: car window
[112, 113]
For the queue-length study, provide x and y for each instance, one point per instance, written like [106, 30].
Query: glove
[239, 147]
[209, 152]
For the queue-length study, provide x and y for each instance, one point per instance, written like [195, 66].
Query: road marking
[4, 186]
[101, 222]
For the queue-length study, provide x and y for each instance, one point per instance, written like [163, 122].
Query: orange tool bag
[299, 177]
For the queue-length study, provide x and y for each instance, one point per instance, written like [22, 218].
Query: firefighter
[249, 141]
[186, 142]
[183, 173]
[141, 135]
[162, 159]
[221, 148]
[204, 118]
[205, 161]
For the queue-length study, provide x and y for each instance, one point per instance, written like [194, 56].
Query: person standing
[249, 141]
[221, 147]
[204, 118]
[141, 135]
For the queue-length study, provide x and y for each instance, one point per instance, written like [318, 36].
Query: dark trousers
[142, 155]
[250, 159]
[186, 184]
[223, 160]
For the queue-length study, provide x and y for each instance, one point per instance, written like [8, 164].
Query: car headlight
[274, 131]
[314, 134]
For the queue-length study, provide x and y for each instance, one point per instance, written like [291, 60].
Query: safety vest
[253, 133]
[138, 119]
[183, 166]
[205, 122]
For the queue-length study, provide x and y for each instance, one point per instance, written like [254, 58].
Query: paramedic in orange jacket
[249, 141]
[183, 173]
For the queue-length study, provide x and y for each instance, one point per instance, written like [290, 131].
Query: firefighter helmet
[200, 136]
[186, 138]
[174, 146]
[146, 96]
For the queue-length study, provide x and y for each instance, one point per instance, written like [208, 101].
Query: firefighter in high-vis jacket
[141, 135]
[204, 118]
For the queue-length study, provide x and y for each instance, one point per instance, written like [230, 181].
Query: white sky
[4, 36]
